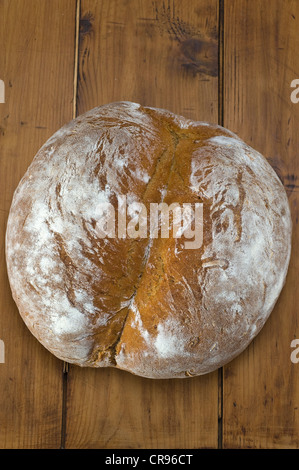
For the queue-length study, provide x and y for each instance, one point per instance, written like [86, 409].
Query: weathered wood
[36, 65]
[261, 387]
[162, 54]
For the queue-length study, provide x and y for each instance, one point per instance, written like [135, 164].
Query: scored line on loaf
[148, 306]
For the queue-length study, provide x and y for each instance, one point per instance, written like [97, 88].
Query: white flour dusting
[209, 305]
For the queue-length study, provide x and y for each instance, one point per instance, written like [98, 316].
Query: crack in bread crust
[149, 245]
[146, 306]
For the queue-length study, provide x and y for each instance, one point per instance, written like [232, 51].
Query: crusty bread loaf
[147, 305]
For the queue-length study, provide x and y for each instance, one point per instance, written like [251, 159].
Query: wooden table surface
[224, 61]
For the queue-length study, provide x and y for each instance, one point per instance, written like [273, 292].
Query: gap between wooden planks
[36, 64]
[253, 401]
[259, 418]
[261, 386]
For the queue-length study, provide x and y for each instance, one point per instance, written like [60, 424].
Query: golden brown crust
[145, 305]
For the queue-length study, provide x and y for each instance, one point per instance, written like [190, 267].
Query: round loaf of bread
[146, 304]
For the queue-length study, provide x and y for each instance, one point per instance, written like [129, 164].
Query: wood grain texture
[162, 54]
[157, 53]
[36, 64]
[261, 387]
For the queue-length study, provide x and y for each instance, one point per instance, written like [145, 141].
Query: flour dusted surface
[147, 306]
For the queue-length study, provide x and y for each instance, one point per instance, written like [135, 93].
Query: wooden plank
[162, 54]
[261, 387]
[36, 65]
